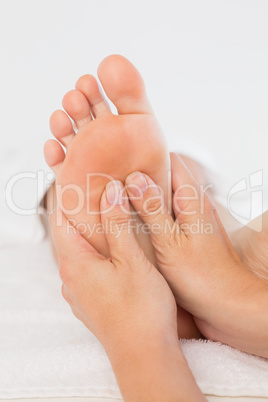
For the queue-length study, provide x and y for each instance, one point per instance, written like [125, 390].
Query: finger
[192, 206]
[68, 241]
[117, 223]
[148, 201]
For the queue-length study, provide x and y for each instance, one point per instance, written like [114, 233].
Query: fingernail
[115, 192]
[138, 183]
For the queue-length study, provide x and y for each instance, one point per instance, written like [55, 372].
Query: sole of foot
[101, 146]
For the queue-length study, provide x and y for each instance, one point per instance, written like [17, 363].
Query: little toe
[61, 127]
[77, 107]
[88, 85]
[123, 85]
[54, 155]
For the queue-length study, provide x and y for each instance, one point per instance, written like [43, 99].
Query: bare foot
[106, 146]
[252, 247]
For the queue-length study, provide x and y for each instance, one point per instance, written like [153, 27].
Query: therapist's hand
[126, 303]
[122, 293]
[198, 261]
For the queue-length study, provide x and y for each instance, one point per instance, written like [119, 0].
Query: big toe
[123, 85]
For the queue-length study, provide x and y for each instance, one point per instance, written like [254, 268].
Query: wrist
[150, 367]
[235, 313]
[218, 294]
[134, 345]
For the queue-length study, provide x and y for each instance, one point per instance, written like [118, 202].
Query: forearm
[238, 306]
[148, 370]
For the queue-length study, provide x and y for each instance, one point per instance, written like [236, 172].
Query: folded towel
[46, 352]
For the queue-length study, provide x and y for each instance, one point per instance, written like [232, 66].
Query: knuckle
[171, 240]
[128, 257]
[169, 244]
[152, 207]
[118, 223]
[119, 219]
[168, 250]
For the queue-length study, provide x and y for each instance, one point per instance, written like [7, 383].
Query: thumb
[192, 206]
[148, 201]
[117, 223]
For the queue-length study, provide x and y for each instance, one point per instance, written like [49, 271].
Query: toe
[124, 85]
[77, 107]
[88, 85]
[54, 155]
[61, 127]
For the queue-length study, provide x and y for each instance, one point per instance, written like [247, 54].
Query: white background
[205, 63]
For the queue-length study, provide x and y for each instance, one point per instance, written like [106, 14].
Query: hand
[198, 261]
[126, 303]
[116, 296]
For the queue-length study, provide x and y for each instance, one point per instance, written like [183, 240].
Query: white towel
[46, 352]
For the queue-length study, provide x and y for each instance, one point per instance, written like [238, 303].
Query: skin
[230, 308]
[207, 278]
[106, 146]
[252, 246]
[134, 141]
[107, 143]
[123, 308]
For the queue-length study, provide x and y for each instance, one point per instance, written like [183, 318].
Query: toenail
[138, 183]
[115, 192]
